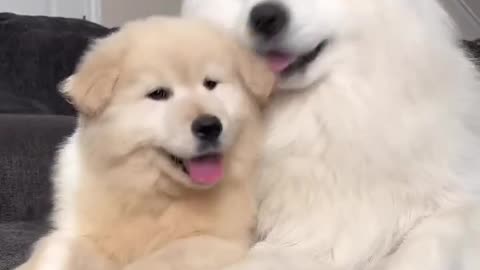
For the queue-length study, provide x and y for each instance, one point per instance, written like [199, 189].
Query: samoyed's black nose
[267, 19]
[207, 128]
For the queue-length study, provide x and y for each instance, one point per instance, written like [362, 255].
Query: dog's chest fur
[135, 228]
[348, 180]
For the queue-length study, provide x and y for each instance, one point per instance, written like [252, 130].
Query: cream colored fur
[120, 203]
[373, 152]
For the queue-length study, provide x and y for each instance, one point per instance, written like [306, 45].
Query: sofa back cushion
[36, 54]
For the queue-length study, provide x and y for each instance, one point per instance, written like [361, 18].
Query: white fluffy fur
[373, 155]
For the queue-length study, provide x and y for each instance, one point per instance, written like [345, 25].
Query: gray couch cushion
[27, 147]
[16, 239]
[36, 53]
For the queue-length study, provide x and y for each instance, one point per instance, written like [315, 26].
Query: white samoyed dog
[373, 152]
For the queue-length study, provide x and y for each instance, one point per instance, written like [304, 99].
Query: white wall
[63, 8]
[35, 7]
[107, 12]
[70, 8]
[117, 12]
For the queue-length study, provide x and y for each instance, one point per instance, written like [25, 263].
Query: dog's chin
[302, 61]
[202, 171]
[290, 67]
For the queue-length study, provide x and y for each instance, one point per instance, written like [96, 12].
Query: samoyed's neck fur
[386, 139]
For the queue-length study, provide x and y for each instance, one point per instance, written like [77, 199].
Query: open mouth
[204, 170]
[284, 63]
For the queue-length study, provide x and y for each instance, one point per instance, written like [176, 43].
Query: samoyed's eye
[161, 93]
[210, 84]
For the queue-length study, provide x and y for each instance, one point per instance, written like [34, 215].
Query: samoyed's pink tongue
[205, 170]
[279, 62]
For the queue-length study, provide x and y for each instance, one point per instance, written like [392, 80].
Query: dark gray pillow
[36, 53]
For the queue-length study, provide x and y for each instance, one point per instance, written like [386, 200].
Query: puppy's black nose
[207, 127]
[268, 19]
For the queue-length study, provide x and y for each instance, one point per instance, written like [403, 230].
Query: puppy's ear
[255, 74]
[91, 87]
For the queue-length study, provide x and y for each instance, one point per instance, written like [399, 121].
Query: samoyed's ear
[255, 74]
[91, 87]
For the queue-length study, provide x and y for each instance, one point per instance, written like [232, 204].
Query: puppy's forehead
[185, 53]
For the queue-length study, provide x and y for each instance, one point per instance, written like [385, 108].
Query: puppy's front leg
[194, 253]
[60, 252]
[447, 242]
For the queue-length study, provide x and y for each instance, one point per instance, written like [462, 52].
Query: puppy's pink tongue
[279, 62]
[205, 170]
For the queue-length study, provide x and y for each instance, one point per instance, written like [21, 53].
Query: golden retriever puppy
[158, 174]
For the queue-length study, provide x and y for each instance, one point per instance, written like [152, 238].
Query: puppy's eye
[210, 84]
[160, 93]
